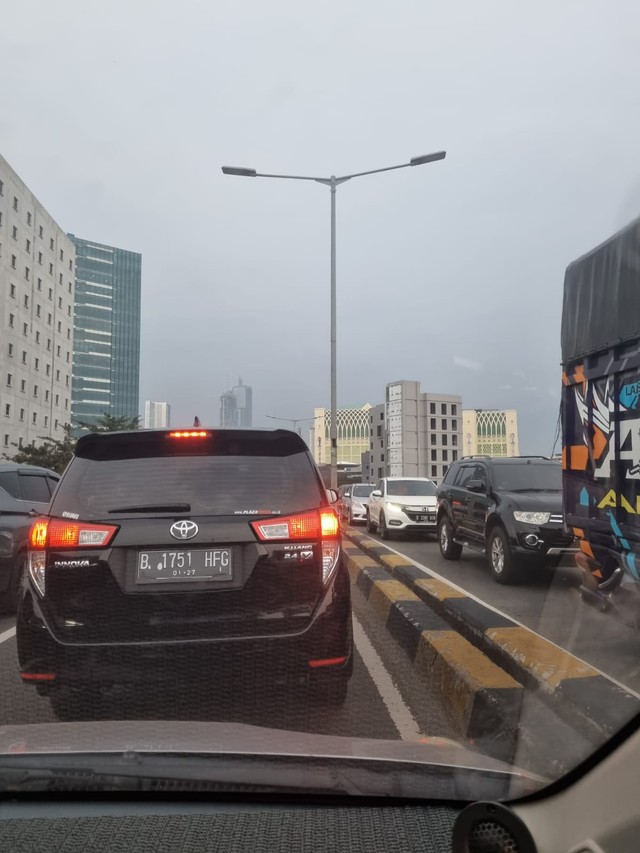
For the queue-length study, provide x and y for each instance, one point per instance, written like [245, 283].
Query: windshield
[531, 477]
[361, 491]
[411, 487]
[258, 261]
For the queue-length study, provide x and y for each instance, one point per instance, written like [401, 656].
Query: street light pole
[333, 183]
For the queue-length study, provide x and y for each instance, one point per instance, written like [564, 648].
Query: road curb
[579, 693]
[484, 701]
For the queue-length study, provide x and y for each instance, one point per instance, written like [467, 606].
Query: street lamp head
[427, 158]
[243, 173]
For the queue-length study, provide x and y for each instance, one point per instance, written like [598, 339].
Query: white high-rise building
[156, 415]
[37, 283]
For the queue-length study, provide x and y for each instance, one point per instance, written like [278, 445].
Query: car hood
[536, 501]
[412, 500]
[48, 742]
[360, 500]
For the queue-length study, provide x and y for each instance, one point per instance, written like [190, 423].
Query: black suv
[25, 491]
[181, 556]
[509, 508]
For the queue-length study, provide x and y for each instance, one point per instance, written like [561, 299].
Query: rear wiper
[153, 508]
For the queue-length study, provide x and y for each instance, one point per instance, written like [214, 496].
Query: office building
[236, 406]
[156, 415]
[106, 352]
[353, 435]
[490, 432]
[37, 265]
[413, 434]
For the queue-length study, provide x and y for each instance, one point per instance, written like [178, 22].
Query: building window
[444, 440]
[13, 261]
[40, 258]
[382, 457]
[6, 437]
[434, 438]
[57, 399]
[7, 410]
[35, 390]
[454, 440]
[68, 310]
[59, 301]
[454, 409]
[51, 243]
[59, 326]
[9, 379]
[11, 350]
[454, 424]
[444, 423]
[11, 319]
[68, 334]
[445, 455]
[12, 290]
[28, 245]
[29, 217]
[66, 404]
[50, 269]
[443, 408]
[61, 255]
[46, 420]
[70, 287]
[47, 369]
[434, 455]
[1, 188]
[38, 310]
[454, 455]
[49, 318]
[57, 380]
[26, 301]
[39, 284]
[14, 232]
[70, 265]
[23, 386]
[58, 350]
[432, 408]
[434, 470]
[24, 356]
[50, 293]
[25, 329]
[36, 364]
[60, 279]
[433, 423]
[46, 396]
[37, 337]
[68, 357]
[378, 430]
[41, 232]
[15, 203]
[21, 414]
[34, 419]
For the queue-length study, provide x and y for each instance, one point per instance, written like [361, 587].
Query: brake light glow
[38, 676]
[307, 525]
[190, 433]
[70, 534]
[314, 664]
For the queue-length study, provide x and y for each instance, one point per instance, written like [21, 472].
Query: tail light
[318, 524]
[64, 535]
[189, 433]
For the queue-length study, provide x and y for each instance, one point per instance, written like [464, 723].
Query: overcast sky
[119, 116]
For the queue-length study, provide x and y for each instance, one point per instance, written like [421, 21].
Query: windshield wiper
[153, 508]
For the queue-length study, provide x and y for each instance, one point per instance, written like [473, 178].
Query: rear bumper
[328, 637]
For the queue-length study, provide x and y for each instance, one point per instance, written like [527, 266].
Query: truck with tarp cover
[601, 417]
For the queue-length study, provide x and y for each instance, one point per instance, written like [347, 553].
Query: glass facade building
[106, 350]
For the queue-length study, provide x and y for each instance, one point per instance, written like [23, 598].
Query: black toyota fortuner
[170, 556]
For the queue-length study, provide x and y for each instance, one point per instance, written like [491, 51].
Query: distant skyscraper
[236, 406]
[106, 350]
[156, 415]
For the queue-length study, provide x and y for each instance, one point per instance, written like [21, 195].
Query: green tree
[53, 453]
[110, 423]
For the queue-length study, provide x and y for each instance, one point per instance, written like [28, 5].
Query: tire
[449, 549]
[383, 530]
[330, 688]
[502, 564]
[9, 598]
[371, 527]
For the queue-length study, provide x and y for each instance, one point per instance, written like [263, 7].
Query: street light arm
[415, 161]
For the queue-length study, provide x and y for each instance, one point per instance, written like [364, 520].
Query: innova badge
[184, 529]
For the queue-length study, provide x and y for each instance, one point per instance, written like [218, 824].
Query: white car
[402, 504]
[352, 502]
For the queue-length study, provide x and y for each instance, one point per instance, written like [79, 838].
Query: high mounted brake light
[69, 534]
[190, 433]
[317, 524]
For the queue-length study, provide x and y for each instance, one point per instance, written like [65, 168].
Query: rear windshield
[362, 491]
[208, 484]
[528, 477]
[410, 487]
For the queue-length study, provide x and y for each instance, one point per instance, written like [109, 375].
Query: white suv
[403, 504]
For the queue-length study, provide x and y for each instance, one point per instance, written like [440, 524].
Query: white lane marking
[435, 574]
[403, 719]
[6, 635]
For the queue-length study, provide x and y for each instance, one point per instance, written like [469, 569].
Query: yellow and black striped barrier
[481, 657]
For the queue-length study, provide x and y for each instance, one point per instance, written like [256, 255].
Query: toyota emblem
[184, 529]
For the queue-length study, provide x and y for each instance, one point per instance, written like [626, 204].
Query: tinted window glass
[52, 482]
[532, 476]
[464, 474]
[34, 488]
[9, 482]
[362, 491]
[411, 487]
[211, 485]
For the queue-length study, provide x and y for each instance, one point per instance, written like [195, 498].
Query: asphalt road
[547, 601]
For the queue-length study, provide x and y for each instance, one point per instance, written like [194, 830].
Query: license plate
[200, 564]
[423, 518]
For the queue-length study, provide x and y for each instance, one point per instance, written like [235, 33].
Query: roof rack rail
[477, 456]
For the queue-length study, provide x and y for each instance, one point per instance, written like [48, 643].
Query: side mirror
[333, 495]
[376, 493]
[478, 486]
[347, 494]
